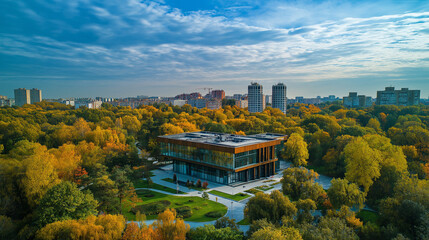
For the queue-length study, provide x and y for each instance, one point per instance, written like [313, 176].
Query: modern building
[256, 98]
[218, 94]
[223, 158]
[403, 97]
[268, 100]
[214, 104]
[354, 100]
[279, 97]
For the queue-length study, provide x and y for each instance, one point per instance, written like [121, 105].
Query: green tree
[296, 150]
[209, 232]
[65, 201]
[299, 183]
[225, 222]
[106, 193]
[341, 192]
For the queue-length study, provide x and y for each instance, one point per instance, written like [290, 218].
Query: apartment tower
[279, 99]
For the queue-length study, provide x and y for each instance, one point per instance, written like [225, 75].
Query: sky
[122, 48]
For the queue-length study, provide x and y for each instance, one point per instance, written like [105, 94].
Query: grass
[144, 184]
[237, 197]
[264, 187]
[273, 184]
[244, 221]
[198, 205]
[367, 216]
[253, 191]
[267, 181]
[195, 188]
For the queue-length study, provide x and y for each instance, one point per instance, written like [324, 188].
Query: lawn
[198, 205]
[237, 197]
[264, 187]
[367, 216]
[144, 184]
[253, 191]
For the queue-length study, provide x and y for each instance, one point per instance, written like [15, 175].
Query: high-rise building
[279, 99]
[35, 95]
[403, 97]
[256, 98]
[22, 96]
[218, 94]
[354, 100]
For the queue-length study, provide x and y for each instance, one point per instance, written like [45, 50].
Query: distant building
[241, 103]
[218, 94]
[237, 96]
[279, 97]
[353, 100]
[403, 97]
[185, 96]
[178, 102]
[4, 101]
[35, 95]
[92, 104]
[256, 98]
[27, 96]
[214, 104]
[22, 96]
[69, 102]
[198, 102]
[3, 97]
[268, 99]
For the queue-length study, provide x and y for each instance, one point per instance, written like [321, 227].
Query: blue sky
[125, 48]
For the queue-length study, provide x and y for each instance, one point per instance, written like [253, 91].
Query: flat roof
[224, 139]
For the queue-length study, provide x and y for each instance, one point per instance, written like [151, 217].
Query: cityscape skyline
[129, 48]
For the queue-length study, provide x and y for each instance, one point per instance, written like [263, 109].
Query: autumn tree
[109, 227]
[168, 227]
[210, 232]
[362, 163]
[296, 150]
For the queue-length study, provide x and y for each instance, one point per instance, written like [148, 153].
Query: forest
[68, 173]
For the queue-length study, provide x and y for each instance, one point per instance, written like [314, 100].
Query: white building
[279, 99]
[179, 102]
[256, 98]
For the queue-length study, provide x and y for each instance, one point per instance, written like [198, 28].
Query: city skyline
[164, 48]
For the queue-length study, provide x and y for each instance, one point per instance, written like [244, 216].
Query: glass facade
[236, 167]
[212, 157]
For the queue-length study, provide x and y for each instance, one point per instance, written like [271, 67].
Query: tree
[123, 184]
[168, 227]
[65, 201]
[66, 161]
[298, 183]
[212, 233]
[362, 163]
[305, 208]
[39, 175]
[341, 192]
[205, 195]
[273, 207]
[107, 227]
[268, 234]
[226, 222]
[106, 193]
[296, 150]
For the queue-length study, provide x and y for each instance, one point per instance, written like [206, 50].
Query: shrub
[184, 212]
[152, 208]
[191, 200]
[214, 214]
[198, 185]
[197, 208]
[205, 185]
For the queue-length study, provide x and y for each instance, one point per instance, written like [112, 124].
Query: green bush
[214, 214]
[152, 208]
[184, 212]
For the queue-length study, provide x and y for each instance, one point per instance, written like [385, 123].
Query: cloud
[139, 42]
